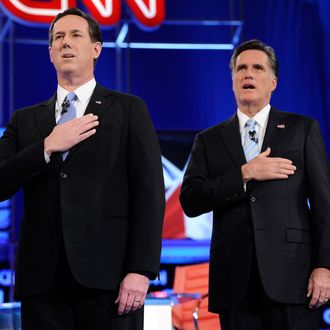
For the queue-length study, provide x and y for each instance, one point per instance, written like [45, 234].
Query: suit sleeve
[147, 196]
[318, 189]
[18, 165]
[201, 192]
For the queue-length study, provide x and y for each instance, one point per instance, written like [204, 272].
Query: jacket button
[63, 175]
[253, 199]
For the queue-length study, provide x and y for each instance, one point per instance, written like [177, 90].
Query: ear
[97, 48]
[50, 53]
[274, 83]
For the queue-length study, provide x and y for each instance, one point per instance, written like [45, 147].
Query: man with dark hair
[270, 250]
[89, 164]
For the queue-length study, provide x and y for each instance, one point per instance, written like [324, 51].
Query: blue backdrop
[189, 90]
[186, 90]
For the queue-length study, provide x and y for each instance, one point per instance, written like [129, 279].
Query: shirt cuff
[47, 158]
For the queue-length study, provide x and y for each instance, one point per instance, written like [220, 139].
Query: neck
[250, 109]
[71, 83]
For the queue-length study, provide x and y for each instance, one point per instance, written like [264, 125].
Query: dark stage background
[187, 90]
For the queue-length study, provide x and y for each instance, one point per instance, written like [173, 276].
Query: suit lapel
[99, 103]
[276, 127]
[45, 116]
[232, 139]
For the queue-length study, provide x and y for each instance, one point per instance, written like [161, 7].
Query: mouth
[68, 56]
[248, 86]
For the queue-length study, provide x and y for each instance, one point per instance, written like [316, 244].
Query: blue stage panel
[176, 251]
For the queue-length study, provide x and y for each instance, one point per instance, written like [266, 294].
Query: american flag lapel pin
[280, 126]
[98, 102]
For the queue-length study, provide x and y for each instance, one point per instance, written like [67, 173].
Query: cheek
[235, 82]
[51, 55]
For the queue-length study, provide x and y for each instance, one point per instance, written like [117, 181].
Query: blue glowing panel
[185, 251]
[4, 218]
[326, 316]
[4, 204]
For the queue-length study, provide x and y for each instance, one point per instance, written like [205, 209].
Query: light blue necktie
[69, 112]
[250, 146]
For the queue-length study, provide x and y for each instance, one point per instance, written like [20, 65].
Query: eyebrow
[255, 65]
[71, 31]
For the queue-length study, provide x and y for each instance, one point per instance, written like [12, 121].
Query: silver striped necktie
[250, 147]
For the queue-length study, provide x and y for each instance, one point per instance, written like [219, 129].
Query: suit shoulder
[208, 132]
[33, 107]
[294, 117]
[124, 97]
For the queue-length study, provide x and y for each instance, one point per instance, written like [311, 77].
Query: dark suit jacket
[105, 202]
[270, 219]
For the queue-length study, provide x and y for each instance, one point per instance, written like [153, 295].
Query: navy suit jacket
[271, 219]
[104, 203]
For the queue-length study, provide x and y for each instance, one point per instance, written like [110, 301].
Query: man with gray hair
[270, 250]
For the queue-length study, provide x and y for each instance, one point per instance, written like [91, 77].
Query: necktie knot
[68, 101]
[71, 97]
[251, 124]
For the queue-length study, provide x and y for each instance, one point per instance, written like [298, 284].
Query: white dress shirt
[262, 120]
[84, 94]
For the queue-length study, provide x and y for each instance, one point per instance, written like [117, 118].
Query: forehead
[252, 56]
[70, 22]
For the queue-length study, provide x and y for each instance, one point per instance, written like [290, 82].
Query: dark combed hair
[257, 45]
[94, 28]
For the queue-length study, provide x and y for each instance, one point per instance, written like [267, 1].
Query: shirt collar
[83, 92]
[261, 117]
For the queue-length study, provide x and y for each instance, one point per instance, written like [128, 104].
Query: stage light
[326, 316]
[6, 277]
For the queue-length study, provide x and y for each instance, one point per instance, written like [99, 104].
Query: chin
[248, 100]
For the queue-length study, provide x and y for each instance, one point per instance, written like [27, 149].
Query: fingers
[314, 302]
[319, 287]
[319, 298]
[67, 135]
[268, 168]
[283, 169]
[129, 303]
[309, 288]
[82, 124]
[266, 153]
[132, 293]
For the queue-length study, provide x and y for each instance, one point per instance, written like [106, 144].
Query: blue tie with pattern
[250, 147]
[68, 113]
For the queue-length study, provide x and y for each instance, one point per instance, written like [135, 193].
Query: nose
[248, 74]
[66, 45]
[66, 41]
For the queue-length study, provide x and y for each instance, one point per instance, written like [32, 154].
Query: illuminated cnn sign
[107, 12]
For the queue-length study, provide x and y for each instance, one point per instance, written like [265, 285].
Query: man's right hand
[66, 135]
[263, 168]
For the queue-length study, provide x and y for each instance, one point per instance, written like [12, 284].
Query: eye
[58, 36]
[258, 67]
[240, 68]
[76, 35]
